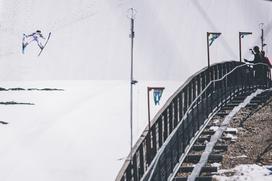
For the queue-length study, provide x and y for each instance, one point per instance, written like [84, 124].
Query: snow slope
[81, 133]
[61, 137]
[90, 38]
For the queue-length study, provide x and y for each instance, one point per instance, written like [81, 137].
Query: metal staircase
[211, 91]
[221, 146]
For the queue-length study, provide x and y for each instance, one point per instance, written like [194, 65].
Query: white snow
[81, 133]
[240, 156]
[214, 128]
[246, 173]
[232, 130]
[216, 121]
[233, 137]
[216, 165]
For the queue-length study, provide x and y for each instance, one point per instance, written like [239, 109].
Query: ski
[45, 43]
[23, 44]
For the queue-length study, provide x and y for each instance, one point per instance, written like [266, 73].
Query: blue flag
[212, 37]
[157, 93]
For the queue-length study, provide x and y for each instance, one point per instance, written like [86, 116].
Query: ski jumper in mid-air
[35, 37]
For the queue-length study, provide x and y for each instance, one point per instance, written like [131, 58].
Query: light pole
[131, 16]
[241, 35]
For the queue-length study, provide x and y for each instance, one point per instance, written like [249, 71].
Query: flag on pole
[212, 37]
[243, 34]
[157, 93]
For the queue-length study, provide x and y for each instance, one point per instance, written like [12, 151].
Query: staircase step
[260, 99]
[201, 178]
[257, 101]
[216, 147]
[235, 101]
[241, 97]
[253, 101]
[222, 114]
[227, 108]
[251, 104]
[261, 96]
[192, 158]
[207, 138]
[232, 104]
[204, 169]
[211, 132]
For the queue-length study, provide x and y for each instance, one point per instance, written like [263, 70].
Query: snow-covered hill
[90, 38]
[81, 133]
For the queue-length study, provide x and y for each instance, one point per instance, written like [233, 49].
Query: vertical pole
[148, 108]
[262, 38]
[149, 133]
[208, 49]
[242, 35]
[240, 48]
[208, 54]
[132, 82]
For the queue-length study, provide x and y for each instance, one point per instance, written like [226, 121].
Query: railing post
[211, 99]
[183, 137]
[194, 89]
[176, 114]
[160, 133]
[155, 140]
[202, 108]
[165, 126]
[148, 148]
[220, 71]
[216, 73]
[128, 173]
[208, 75]
[178, 145]
[170, 118]
[141, 160]
[190, 94]
[134, 165]
[203, 82]
[197, 114]
[185, 100]
[181, 106]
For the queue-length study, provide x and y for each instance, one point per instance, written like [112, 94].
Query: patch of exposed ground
[254, 138]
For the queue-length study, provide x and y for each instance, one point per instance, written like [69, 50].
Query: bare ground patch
[254, 139]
